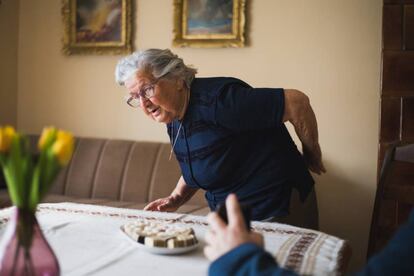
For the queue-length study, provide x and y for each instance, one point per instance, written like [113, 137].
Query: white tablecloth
[88, 241]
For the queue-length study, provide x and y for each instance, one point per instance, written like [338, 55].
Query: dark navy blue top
[397, 258]
[233, 140]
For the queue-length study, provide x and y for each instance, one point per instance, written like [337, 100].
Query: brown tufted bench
[117, 173]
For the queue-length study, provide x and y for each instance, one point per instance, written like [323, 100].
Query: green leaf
[41, 167]
[50, 171]
[11, 186]
[15, 170]
[34, 191]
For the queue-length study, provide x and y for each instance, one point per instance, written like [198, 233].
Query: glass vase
[24, 250]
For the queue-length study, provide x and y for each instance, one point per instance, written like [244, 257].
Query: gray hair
[157, 62]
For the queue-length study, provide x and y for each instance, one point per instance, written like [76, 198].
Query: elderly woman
[228, 137]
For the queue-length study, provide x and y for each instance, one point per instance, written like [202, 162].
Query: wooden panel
[390, 119]
[398, 71]
[395, 196]
[404, 195]
[382, 150]
[404, 173]
[397, 93]
[405, 153]
[392, 26]
[401, 174]
[409, 27]
[388, 213]
[404, 211]
[398, 1]
[408, 119]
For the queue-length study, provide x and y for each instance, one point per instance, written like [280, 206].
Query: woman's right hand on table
[166, 204]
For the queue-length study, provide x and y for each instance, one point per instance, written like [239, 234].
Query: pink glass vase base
[20, 259]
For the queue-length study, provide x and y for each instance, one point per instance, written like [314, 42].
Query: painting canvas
[97, 26]
[209, 17]
[209, 23]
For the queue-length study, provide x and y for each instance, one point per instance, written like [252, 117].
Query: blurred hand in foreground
[222, 238]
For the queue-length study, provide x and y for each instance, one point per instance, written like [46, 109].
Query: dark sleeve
[247, 259]
[240, 107]
[397, 258]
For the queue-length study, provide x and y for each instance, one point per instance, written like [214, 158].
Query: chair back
[394, 197]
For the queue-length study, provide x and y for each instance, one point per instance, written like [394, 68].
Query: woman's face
[168, 98]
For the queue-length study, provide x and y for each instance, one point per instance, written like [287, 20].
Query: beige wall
[8, 61]
[328, 48]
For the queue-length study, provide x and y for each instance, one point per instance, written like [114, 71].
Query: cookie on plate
[157, 234]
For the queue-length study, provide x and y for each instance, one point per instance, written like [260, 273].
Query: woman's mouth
[155, 112]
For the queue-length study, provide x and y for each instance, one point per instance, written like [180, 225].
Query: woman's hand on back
[313, 159]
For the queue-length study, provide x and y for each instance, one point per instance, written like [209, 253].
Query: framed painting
[209, 23]
[97, 26]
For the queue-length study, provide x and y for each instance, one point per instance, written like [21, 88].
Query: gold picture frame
[97, 27]
[209, 23]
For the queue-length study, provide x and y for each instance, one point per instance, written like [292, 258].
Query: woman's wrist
[182, 193]
[176, 198]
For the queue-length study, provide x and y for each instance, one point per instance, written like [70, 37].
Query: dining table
[88, 240]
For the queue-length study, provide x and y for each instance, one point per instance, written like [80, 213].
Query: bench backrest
[120, 170]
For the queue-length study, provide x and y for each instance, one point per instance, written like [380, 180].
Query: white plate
[162, 250]
[167, 251]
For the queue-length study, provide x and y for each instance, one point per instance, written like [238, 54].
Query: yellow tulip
[64, 135]
[48, 134]
[7, 134]
[63, 147]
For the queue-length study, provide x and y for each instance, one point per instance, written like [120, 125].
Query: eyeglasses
[134, 100]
